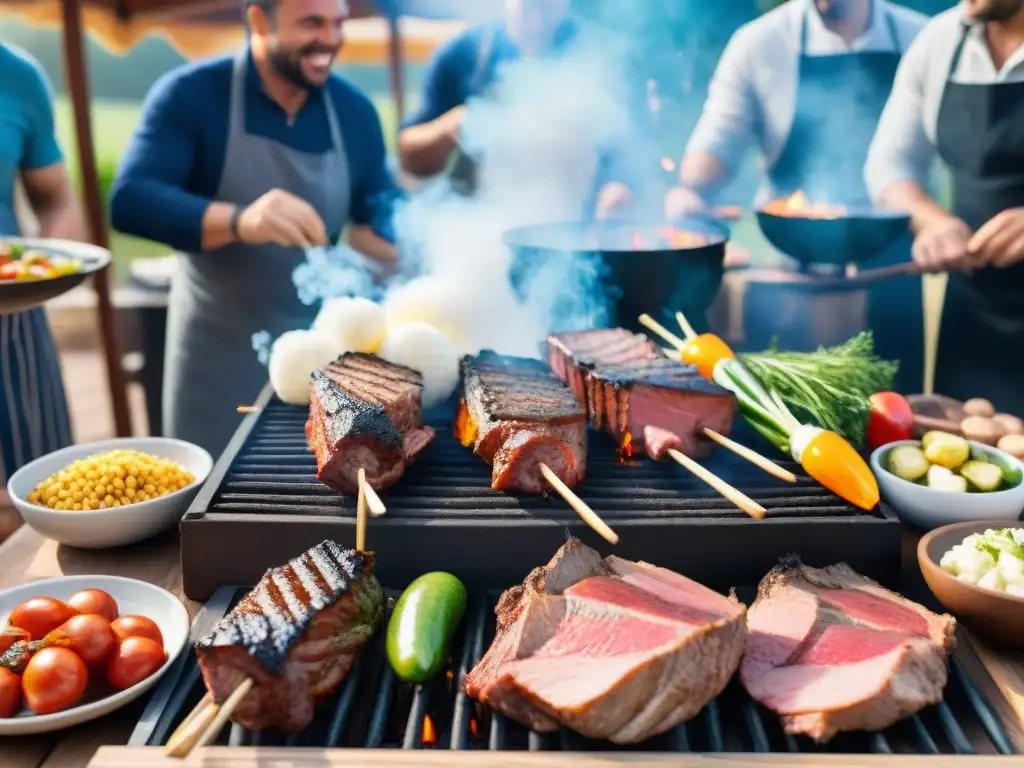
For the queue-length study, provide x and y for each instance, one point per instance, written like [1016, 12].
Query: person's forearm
[163, 213]
[909, 196]
[426, 148]
[702, 173]
[62, 219]
[363, 239]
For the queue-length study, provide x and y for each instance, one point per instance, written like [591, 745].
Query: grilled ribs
[296, 635]
[645, 401]
[365, 413]
[516, 416]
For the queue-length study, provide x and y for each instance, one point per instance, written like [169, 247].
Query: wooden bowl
[995, 616]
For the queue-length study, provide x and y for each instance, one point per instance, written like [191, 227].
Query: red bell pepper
[891, 419]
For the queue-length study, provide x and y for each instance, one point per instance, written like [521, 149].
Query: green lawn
[112, 124]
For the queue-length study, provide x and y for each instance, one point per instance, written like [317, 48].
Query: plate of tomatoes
[79, 647]
[34, 271]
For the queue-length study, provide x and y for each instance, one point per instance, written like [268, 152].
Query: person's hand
[612, 199]
[941, 245]
[282, 218]
[453, 120]
[680, 202]
[1000, 241]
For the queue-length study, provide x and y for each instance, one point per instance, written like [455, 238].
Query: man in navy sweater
[241, 163]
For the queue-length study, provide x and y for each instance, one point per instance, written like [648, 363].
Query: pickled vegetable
[947, 451]
[942, 479]
[982, 475]
[929, 437]
[908, 462]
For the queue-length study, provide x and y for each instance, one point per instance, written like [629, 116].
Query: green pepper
[423, 624]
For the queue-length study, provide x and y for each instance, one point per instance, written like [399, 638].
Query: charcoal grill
[262, 505]
[374, 710]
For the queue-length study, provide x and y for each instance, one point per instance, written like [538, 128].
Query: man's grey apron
[839, 101]
[220, 299]
[980, 137]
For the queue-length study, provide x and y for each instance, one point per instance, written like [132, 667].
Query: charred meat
[516, 416]
[613, 649]
[365, 413]
[830, 650]
[638, 396]
[296, 635]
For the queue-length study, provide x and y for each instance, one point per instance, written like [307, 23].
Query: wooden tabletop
[26, 556]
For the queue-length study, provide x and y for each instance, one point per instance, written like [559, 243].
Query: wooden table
[27, 556]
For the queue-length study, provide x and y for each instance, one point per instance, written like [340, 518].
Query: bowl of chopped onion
[111, 493]
[976, 570]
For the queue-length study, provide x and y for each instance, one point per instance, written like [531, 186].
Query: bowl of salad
[976, 571]
[32, 272]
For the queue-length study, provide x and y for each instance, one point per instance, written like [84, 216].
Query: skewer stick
[227, 709]
[579, 506]
[246, 409]
[651, 324]
[205, 722]
[361, 512]
[685, 325]
[373, 503]
[738, 498]
[753, 457]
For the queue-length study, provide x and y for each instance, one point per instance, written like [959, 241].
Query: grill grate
[374, 710]
[264, 491]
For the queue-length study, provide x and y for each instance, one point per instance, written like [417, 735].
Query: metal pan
[860, 235]
[21, 296]
[635, 267]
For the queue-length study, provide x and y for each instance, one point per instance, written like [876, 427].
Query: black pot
[859, 235]
[632, 267]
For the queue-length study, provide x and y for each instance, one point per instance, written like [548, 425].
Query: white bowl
[134, 598]
[927, 508]
[102, 528]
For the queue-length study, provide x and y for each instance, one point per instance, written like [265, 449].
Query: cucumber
[981, 475]
[423, 624]
[908, 462]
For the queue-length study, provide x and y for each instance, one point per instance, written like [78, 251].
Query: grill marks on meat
[296, 634]
[830, 650]
[630, 390]
[516, 415]
[365, 413]
[623, 652]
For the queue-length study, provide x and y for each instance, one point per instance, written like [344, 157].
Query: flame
[429, 732]
[474, 728]
[798, 205]
[680, 238]
[625, 452]
[466, 428]
[668, 164]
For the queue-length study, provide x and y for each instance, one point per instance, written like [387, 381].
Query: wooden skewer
[205, 722]
[227, 709]
[753, 457]
[650, 323]
[246, 409]
[685, 325]
[579, 506]
[361, 512]
[738, 498]
[374, 505]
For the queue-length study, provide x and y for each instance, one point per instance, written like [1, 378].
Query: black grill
[263, 499]
[372, 709]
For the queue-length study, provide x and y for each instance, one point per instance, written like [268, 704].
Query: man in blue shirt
[33, 411]
[241, 163]
[467, 67]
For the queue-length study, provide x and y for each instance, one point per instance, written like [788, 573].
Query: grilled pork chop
[296, 635]
[830, 650]
[516, 415]
[637, 395]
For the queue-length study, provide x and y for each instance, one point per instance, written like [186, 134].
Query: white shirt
[752, 96]
[904, 144]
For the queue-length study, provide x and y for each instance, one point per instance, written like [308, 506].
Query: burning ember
[429, 732]
[798, 206]
[669, 237]
[624, 453]
[466, 429]
[474, 728]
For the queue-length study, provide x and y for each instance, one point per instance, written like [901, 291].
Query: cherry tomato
[54, 679]
[137, 626]
[890, 420]
[95, 601]
[10, 693]
[40, 615]
[9, 636]
[135, 659]
[89, 635]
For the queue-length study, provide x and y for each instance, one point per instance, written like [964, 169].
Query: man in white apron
[242, 163]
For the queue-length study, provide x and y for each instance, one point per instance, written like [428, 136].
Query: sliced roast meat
[397, 388]
[830, 650]
[513, 410]
[571, 353]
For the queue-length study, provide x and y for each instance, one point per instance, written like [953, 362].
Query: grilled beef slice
[365, 412]
[625, 652]
[296, 634]
[516, 415]
[830, 650]
[629, 388]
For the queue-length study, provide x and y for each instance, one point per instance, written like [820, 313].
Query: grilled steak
[830, 650]
[516, 415]
[637, 395]
[610, 648]
[296, 635]
[365, 412]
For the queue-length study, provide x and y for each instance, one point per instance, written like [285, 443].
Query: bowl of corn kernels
[111, 493]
